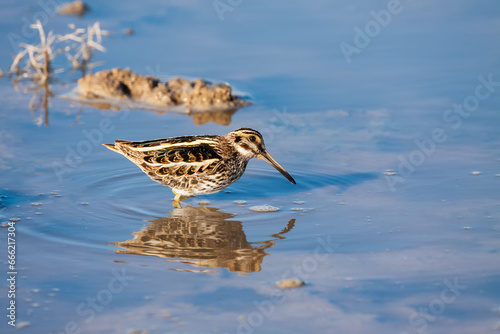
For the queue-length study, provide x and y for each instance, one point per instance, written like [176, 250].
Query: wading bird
[197, 165]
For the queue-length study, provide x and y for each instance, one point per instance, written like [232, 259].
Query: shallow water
[100, 249]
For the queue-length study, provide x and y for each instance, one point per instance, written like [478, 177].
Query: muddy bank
[127, 86]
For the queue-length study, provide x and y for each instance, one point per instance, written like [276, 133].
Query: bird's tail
[112, 148]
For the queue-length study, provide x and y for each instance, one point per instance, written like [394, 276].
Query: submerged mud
[125, 85]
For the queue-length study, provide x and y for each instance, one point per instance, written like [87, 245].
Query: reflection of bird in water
[201, 237]
[197, 165]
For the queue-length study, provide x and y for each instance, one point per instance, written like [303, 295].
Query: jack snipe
[197, 165]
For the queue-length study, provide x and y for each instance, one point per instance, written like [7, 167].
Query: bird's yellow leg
[178, 199]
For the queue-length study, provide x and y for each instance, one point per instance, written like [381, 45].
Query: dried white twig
[37, 66]
[34, 61]
[87, 41]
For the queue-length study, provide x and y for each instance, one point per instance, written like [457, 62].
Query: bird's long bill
[267, 157]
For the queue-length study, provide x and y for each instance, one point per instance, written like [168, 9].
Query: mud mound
[123, 84]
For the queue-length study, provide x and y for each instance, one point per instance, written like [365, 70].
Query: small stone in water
[299, 202]
[476, 173]
[14, 219]
[290, 283]
[240, 202]
[203, 202]
[84, 203]
[390, 172]
[22, 324]
[36, 204]
[264, 208]
[466, 227]
[297, 209]
[78, 8]
[135, 331]
[165, 314]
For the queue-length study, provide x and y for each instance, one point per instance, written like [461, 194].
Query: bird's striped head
[250, 144]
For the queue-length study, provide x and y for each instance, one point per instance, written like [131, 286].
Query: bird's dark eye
[252, 138]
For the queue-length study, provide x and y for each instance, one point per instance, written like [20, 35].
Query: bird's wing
[179, 156]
